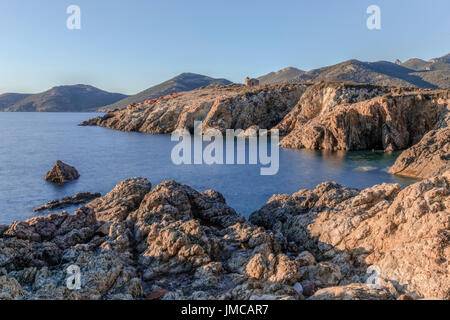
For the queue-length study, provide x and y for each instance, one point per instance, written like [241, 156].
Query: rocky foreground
[326, 115]
[172, 242]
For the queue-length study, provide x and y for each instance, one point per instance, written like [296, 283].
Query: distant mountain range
[74, 98]
[434, 73]
[182, 82]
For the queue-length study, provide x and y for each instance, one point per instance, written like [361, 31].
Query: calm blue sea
[30, 143]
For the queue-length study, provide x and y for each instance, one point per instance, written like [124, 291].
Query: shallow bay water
[30, 143]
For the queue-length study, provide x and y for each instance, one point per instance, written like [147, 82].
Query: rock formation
[172, 242]
[326, 115]
[79, 198]
[227, 107]
[430, 156]
[348, 117]
[62, 173]
[403, 233]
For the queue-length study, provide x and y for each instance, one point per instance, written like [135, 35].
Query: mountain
[8, 99]
[284, 75]
[182, 82]
[414, 72]
[74, 98]
[445, 58]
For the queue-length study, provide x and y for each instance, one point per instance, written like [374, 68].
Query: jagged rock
[323, 97]
[124, 198]
[135, 241]
[79, 198]
[172, 242]
[324, 274]
[62, 173]
[430, 156]
[10, 289]
[306, 259]
[405, 233]
[352, 292]
[387, 123]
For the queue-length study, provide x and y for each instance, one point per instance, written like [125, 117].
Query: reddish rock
[62, 173]
[157, 295]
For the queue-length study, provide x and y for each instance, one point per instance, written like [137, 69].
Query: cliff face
[172, 242]
[431, 155]
[329, 116]
[387, 122]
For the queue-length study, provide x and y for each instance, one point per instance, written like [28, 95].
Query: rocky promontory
[222, 107]
[172, 242]
[326, 115]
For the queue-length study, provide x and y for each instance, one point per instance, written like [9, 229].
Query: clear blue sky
[127, 46]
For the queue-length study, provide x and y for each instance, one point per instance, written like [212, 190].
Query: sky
[128, 46]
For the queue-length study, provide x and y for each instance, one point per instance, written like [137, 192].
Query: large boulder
[62, 173]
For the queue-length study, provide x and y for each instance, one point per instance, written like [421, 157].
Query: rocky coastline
[327, 116]
[172, 242]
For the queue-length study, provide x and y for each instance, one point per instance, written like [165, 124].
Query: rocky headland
[327, 115]
[172, 242]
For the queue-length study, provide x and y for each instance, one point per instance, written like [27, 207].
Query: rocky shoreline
[172, 242]
[79, 198]
[332, 242]
[327, 116]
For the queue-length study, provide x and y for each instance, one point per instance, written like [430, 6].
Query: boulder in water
[62, 173]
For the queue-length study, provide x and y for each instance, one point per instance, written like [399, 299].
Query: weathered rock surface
[62, 173]
[136, 243]
[79, 198]
[323, 97]
[385, 123]
[405, 233]
[352, 292]
[172, 242]
[430, 156]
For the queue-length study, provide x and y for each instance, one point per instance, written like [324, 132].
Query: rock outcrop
[227, 107]
[402, 234]
[172, 242]
[430, 156]
[389, 122]
[62, 173]
[79, 198]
